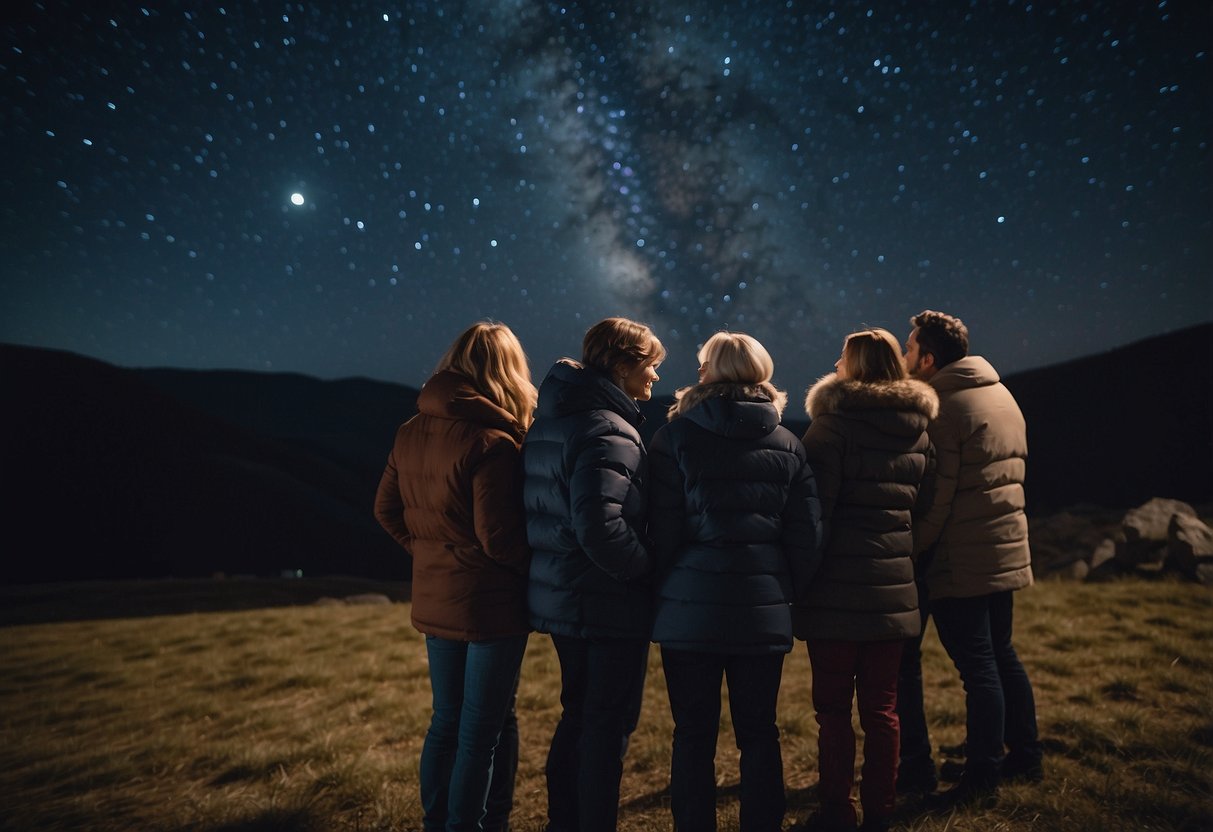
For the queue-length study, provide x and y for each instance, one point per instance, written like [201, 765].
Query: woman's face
[707, 375]
[840, 366]
[638, 381]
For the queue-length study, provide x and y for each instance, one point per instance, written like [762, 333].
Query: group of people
[723, 541]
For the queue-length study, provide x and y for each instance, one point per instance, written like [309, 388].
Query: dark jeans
[867, 672]
[693, 682]
[916, 757]
[500, 801]
[1000, 708]
[472, 683]
[601, 686]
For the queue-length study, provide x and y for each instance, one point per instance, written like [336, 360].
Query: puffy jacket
[869, 449]
[976, 529]
[451, 495]
[734, 520]
[585, 466]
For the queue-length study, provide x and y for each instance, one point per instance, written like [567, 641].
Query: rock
[368, 599]
[1104, 552]
[1076, 570]
[1204, 573]
[328, 602]
[1189, 544]
[1145, 529]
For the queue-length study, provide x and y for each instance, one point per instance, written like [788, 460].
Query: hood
[450, 395]
[735, 411]
[898, 399]
[970, 371]
[571, 388]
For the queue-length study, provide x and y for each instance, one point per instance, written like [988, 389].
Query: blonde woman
[734, 521]
[870, 452]
[586, 470]
[450, 495]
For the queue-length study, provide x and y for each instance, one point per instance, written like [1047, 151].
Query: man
[973, 543]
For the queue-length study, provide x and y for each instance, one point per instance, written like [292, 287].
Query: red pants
[842, 669]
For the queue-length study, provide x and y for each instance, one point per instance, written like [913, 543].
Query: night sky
[338, 189]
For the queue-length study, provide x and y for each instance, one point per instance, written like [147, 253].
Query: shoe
[917, 779]
[951, 771]
[969, 792]
[1014, 771]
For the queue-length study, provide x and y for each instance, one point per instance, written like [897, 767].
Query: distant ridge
[116, 473]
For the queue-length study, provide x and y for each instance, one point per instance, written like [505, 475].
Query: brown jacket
[451, 494]
[976, 529]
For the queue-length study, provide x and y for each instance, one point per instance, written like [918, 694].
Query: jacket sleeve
[802, 530]
[823, 445]
[497, 509]
[945, 438]
[604, 469]
[667, 500]
[389, 507]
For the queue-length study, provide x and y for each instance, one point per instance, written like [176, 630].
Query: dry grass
[312, 718]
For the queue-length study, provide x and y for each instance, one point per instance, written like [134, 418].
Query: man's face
[917, 365]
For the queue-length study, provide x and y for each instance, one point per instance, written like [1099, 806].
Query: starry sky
[338, 189]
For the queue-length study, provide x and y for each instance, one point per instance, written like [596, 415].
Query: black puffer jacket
[869, 450]
[585, 467]
[734, 520]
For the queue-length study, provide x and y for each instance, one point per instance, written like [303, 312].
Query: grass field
[312, 718]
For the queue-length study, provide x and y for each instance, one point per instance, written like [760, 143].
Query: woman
[869, 450]
[585, 469]
[734, 525]
[450, 496]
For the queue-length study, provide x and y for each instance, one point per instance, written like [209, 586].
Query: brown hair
[613, 344]
[943, 336]
[873, 354]
[491, 356]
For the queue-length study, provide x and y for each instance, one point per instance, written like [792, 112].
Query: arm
[802, 530]
[667, 500]
[823, 446]
[389, 507]
[938, 495]
[497, 510]
[602, 481]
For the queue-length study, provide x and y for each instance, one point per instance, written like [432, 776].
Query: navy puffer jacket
[734, 520]
[584, 466]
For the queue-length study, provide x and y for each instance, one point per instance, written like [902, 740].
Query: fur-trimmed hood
[731, 409]
[834, 395]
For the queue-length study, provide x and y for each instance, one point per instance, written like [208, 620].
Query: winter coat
[451, 496]
[868, 447]
[734, 520]
[585, 467]
[975, 529]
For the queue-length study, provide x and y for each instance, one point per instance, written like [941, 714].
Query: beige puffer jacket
[976, 527]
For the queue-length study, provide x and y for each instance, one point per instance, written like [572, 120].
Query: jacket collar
[450, 395]
[573, 388]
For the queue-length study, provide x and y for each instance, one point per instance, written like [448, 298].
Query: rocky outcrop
[1161, 536]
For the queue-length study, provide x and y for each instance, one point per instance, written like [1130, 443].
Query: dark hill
[1118, 428]
[107, 476]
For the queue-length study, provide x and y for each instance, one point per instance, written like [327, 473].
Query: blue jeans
[472, 684]
[1000, 709]
[915, 739]
[693, 681]
[601, 687]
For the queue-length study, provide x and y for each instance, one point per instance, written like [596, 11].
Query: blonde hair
[737, 358]
[613, 344]
[491, 356]
[873, 354]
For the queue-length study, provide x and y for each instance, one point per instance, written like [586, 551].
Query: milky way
[339, 189]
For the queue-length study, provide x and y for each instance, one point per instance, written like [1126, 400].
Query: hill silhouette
[124, 473]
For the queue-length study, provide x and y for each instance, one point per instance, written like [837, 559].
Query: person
[734, 523]
[585, 477]
[868, 446]
[450, 495]
[975, 538]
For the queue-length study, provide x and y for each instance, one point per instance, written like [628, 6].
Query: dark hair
[943, 336]
[615, 343]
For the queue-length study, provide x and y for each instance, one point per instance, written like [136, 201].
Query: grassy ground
[312, 718]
